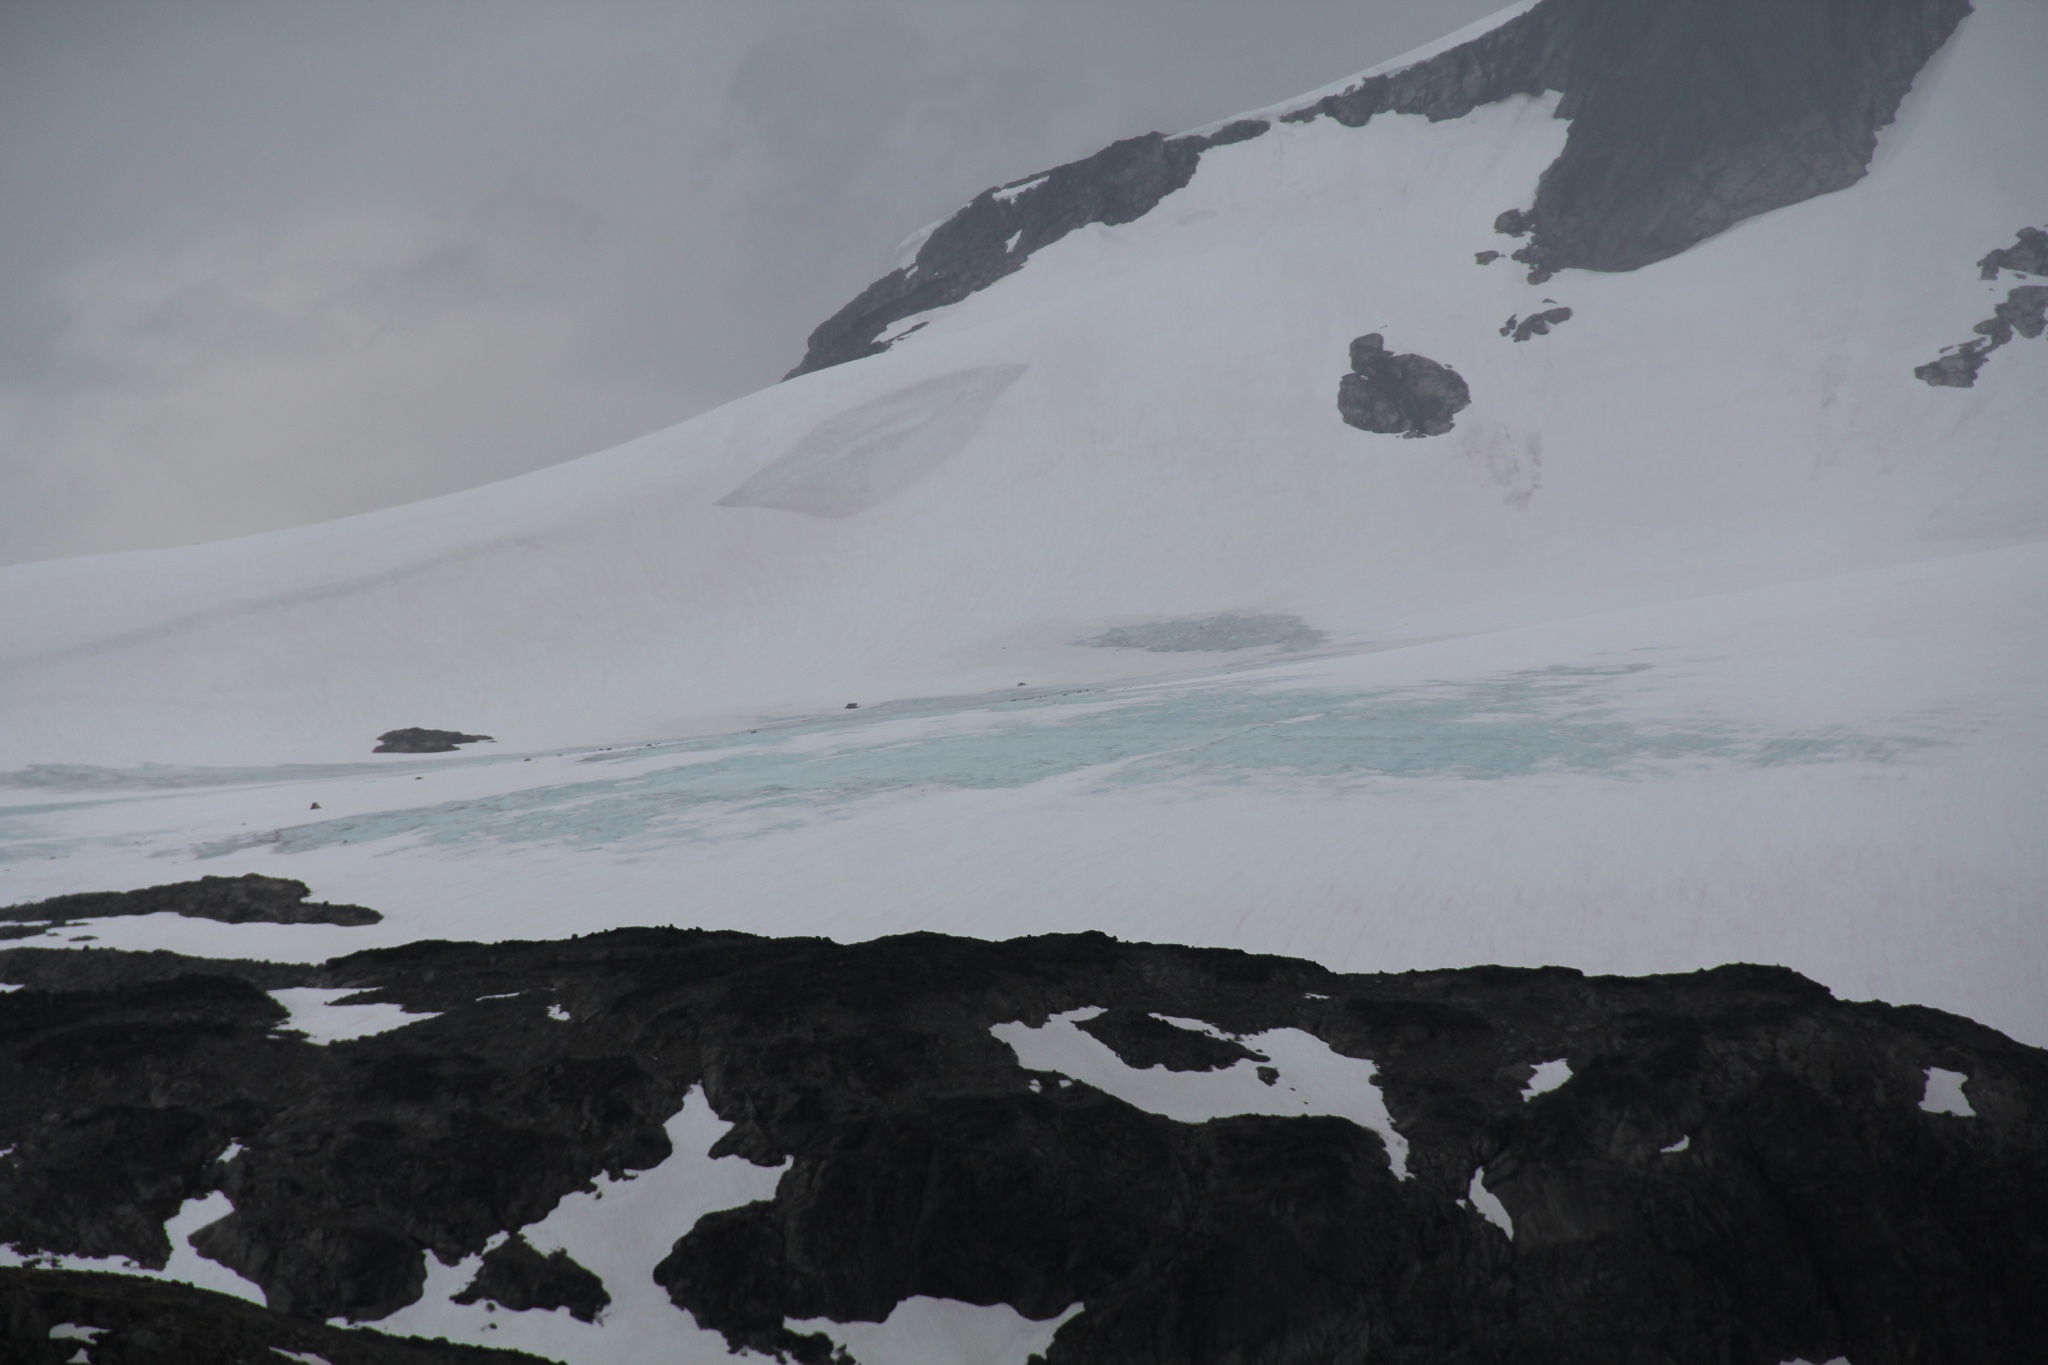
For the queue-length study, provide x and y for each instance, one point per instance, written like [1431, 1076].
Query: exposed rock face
[2024, 312]
[414, 740]
[1956, 370]
[1536, 324]
[248, 899]
[517, 1277]
[2028, 255]
[1408, 395]
[995, 233]
[1688, 116]
[1739, 1168]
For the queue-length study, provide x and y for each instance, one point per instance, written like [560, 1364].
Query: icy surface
[1312, 1080]
[619, 1232]
[315, 1014]
[928, 1331]
[1944, 1094]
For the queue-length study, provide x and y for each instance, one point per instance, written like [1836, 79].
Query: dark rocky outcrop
[1536, 324]
[2028, 255]
[996, 232]
[131, 1321]
[1144, 1042]
[1738, 1170]
[1956, 369]
[1408, 395]
[414, 740]
[2024, 312]
[248, 899]
[517, 1277]
[1687, 116]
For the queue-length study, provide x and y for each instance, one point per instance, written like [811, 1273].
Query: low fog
[271, 263]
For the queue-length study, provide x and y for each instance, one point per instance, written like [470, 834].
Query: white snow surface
[1488, 1206]
[1547, 1077]
[185, 1265]
[928, 1331]
[619, 1232]
[316, 1013]
[1944, 1094]
[1708, 634]
[1312, 1078]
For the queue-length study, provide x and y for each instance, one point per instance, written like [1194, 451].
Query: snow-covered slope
[1708, 631]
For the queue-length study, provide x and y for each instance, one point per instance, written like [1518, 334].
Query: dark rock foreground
[1738, 1171]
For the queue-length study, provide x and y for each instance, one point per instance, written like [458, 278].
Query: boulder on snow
[1536, 324]
[1406, 395]
[414, 740]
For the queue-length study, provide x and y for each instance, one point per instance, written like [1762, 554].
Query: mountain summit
[1686, 118]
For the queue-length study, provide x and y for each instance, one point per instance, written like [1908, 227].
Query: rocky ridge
[1739, 1168]
[1687, 116]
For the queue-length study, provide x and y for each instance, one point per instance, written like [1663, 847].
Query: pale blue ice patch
[1217, 731]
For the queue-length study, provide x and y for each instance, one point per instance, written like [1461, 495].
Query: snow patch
[619, 1232]
[1312, 1078]
[71, 1331]
[1488, 1204]
[556, 1012]
[1549, 1076]
[870, 453]
[1679, 1145]
[906, 250]
[1009, 193]
[315, 1014]
[1944, 1093]
[944, 1332]
[185, 1265]
[1413, 57]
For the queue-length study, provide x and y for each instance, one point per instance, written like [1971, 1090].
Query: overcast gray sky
[265, 262]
